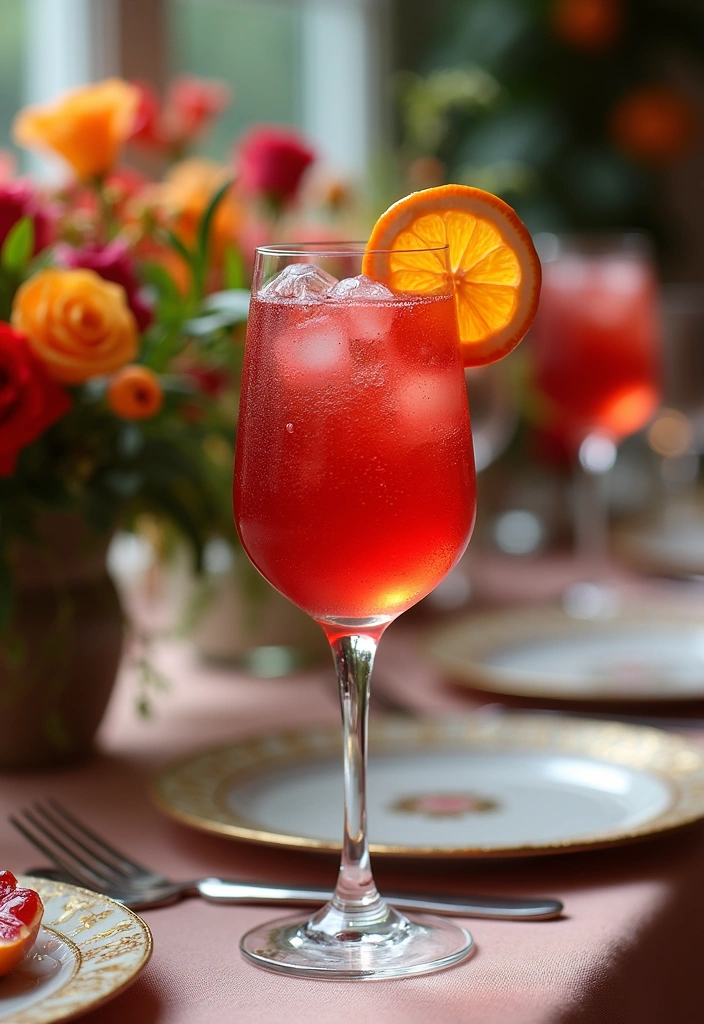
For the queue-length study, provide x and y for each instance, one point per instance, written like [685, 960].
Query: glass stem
[597, 455]
[355, 892]
[590, 521]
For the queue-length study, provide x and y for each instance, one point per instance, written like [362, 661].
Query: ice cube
[567, 276]
[623, 277]
[314, 349]
[300, 281]
[430, 403]
[369, 318]
[361, 287]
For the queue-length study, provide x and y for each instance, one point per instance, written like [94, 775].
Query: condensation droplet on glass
[289, 427]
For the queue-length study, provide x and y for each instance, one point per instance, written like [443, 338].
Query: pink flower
[146, 121]
[113, 262]
[190, 107]
[19, 199]
[271, 162]
[192, 104]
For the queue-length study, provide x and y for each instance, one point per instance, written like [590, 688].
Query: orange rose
[135, 393]
[184, 196]
[588, 24]
[655, 124]
[79, 325]
[87, 127]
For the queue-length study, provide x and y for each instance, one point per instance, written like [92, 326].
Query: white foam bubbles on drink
[300, 281]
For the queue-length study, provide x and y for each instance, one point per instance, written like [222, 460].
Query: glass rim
[332, 249]
[552, 245]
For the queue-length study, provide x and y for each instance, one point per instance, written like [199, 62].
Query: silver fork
[86, 859]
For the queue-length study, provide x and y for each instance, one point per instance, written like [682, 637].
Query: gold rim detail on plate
[463, 651]
[192, 790]
[109, 945]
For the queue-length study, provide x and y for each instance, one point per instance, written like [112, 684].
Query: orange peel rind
[494, 267]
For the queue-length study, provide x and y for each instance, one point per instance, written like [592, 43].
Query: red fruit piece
[20, 916]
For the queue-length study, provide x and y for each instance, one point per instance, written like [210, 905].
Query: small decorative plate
[89, 948]
[482, 786]
[640, 654]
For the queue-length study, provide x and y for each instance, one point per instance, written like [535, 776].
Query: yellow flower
[79, 325]
[87, 126]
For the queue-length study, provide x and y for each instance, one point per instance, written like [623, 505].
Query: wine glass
[678, 433]
[354, 496]
[594, 353]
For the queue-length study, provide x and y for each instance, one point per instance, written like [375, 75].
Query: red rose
[190, 107]
[271, 162]
[146, 121]
[208, 380]
[113, 262]
[192, 104]
[30, 401]
[18, 199]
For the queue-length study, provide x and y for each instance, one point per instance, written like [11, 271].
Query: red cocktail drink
[595, 346]
[355, 490]
[354, 486]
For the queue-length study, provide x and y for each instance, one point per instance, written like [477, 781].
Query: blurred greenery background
[583, 114]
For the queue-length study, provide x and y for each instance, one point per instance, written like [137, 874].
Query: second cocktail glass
[595, 359]
[354, 496]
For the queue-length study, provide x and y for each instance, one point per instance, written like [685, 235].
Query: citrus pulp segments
[20, 916]
[493, 263]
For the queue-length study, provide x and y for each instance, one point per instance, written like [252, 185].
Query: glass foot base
[423, 945]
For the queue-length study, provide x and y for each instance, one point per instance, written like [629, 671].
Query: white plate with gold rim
[647, 653]
[483, 786]
[89, 948]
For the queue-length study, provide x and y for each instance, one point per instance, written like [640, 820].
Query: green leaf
[223, 309]
[234, 301]
[42, 261]
[175, 242]
[207, 220]
[234, 272]
[168, 296]
[200, 265]
[161, 350]
[18, 246]
[202, 326]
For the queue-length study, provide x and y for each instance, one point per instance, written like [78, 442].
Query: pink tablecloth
[628, 949]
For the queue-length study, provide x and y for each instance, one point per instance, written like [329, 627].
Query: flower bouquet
[122, 305]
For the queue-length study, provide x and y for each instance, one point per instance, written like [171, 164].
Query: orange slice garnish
[493, 263]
